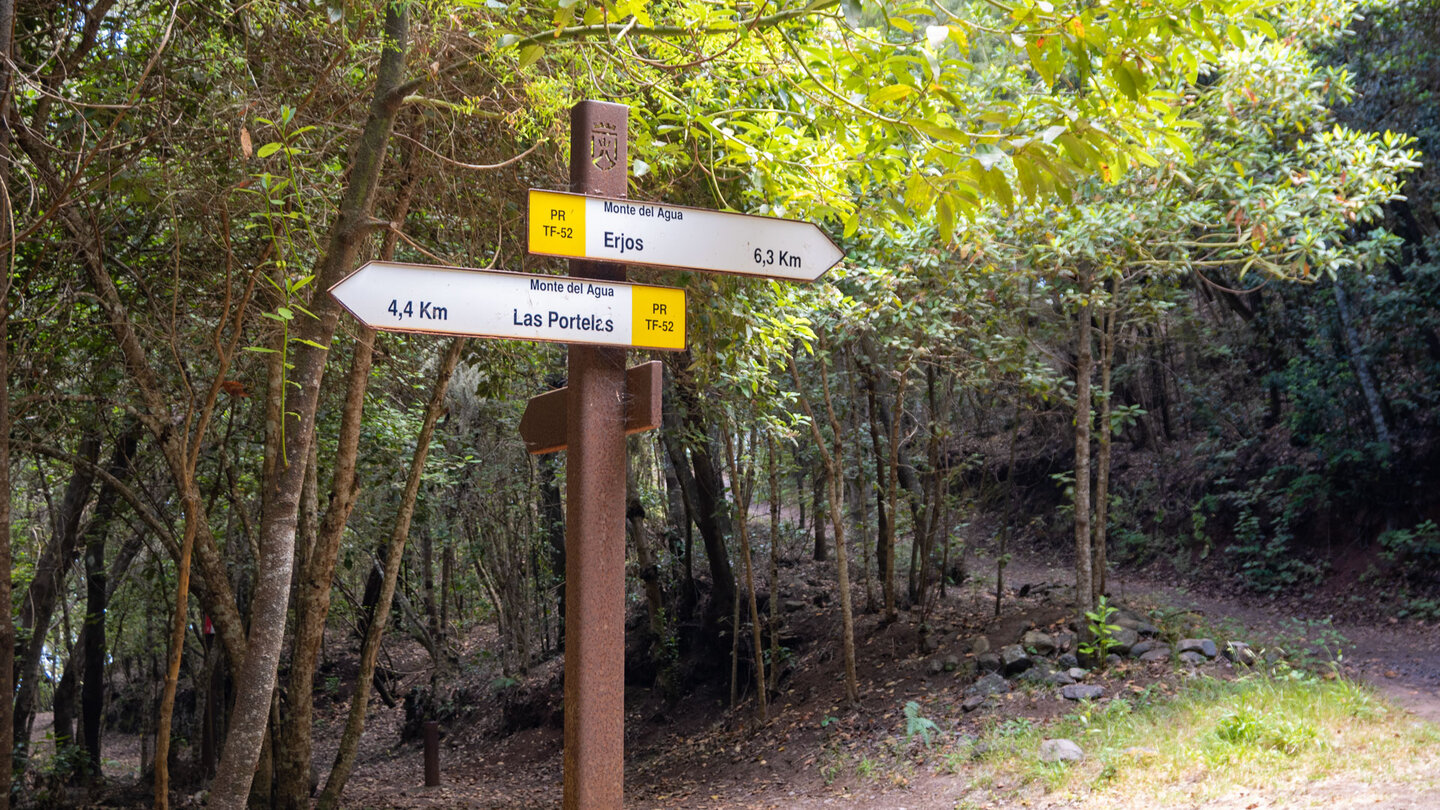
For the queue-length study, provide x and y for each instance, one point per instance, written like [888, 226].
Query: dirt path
[1400, 659]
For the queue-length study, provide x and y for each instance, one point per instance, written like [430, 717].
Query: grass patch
[1214, 737]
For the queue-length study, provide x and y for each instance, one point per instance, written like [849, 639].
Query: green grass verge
[1269, 733]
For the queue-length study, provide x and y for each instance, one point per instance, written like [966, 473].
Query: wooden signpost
[599, 316]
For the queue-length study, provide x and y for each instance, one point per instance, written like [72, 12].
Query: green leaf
[891, 93]
[530, 54]
[1120, 75]
[940, 131]
[945, 218]
[1180, 145]
[1264, 27]
[269, 149]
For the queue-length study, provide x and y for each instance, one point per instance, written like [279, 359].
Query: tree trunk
[884, 538]
[7, 619]
[774, 471]
[39, 604]
[1098, 562]
[711, 512]
[862, 505]
[832, 460]
[649, 570]
[670, 436]
[370, 650]
[934, 496]
[256, 678]
[821, 550]
[1084, 576]
[552, 525]
[292, 774]
[64, 705]
[741, 486]
[427, 588]
[1374, 404]
[892, 490]
[97, 598]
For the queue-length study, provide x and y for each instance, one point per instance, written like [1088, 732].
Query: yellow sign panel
[557, 224]
[658, 317]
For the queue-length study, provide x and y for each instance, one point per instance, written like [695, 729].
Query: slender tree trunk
[711, 511]
[884, 536]
[38, 607]
[774, 471]
[1098, 562]
[1002, 556]
[893, 496]
[7, 619]
[741, 486]
[1084, 574]
[832, 460]
[552, 525]
[427, 586]
[313, 598]
[933, 495]
[97, 597]
[256, 678]
[862, 502]
[1374, 405]
[649, 570]
[821, 550]
[370, 650]
[65, 704]
[670, 431]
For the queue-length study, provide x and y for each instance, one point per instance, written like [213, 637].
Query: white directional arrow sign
[612, 230]
[490, 303]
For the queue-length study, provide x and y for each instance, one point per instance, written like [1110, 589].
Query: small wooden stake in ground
[546, 416]
[595, 504]
[432, 753]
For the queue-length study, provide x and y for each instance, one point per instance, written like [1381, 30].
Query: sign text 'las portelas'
[491, 303]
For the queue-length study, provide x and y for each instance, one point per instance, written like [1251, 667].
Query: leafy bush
[1419, 546]
[1101, 631]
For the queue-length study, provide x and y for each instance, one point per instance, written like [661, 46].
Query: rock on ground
[1082, 691]
[1060, 750]
[990, 684]
[1204, 646]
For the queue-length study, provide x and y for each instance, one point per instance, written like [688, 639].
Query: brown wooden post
[595, 504]
[432, 753]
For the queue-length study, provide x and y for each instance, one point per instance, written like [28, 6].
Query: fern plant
[916, 723]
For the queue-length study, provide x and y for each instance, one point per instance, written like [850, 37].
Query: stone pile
[1043, 659]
